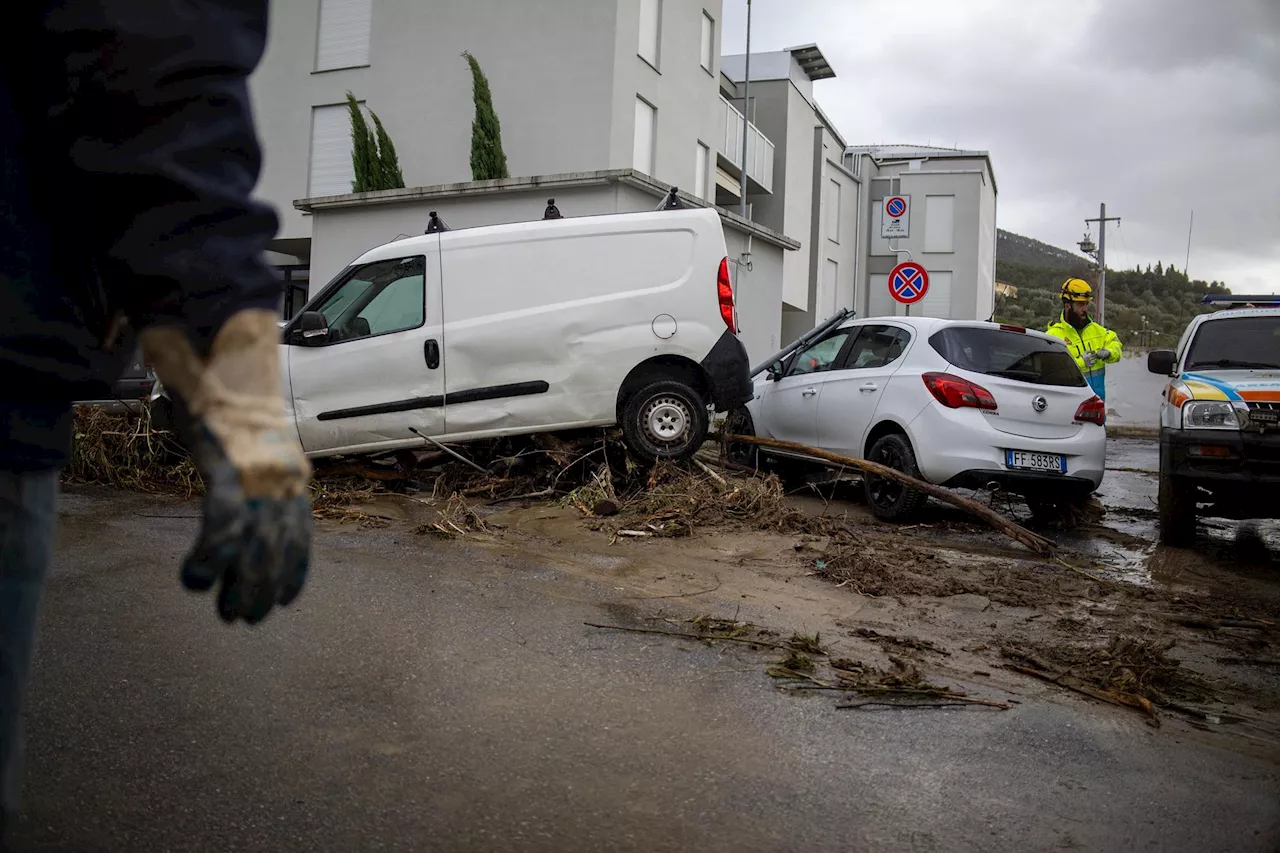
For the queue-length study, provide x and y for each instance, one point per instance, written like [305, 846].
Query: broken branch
[689, 636]
[1033, 541]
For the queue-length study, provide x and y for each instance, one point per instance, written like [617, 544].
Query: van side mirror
[1162, 361]
[775, 371]
[312, 329]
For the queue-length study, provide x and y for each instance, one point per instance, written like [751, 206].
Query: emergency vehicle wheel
[1177, 509]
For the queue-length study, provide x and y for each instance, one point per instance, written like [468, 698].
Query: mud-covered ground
[1179, 637]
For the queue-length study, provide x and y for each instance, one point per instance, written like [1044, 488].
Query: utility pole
[1102, 221]
[746, 114]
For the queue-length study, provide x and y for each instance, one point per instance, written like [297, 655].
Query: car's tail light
[956, 393]
[1004, 327]
[1092, 411]
[724, 292]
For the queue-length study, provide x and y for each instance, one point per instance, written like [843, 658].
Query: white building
[608, 100]
[952, 230]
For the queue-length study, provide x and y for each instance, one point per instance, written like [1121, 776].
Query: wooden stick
[712, 474]
[1033, 541]
[1125, 700]
[1207, 624]
[689, 636]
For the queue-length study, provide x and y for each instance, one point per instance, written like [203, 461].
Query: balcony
[729, 150]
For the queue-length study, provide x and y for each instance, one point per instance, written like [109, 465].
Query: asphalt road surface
[439, 696]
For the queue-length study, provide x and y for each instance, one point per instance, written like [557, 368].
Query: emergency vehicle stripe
[1226, 389]
[1203, 391]
[1260, 396]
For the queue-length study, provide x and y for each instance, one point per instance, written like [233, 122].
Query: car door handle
[809, 392]
[868, 387]
[432, 352]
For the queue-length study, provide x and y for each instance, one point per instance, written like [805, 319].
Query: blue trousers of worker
[27, 510]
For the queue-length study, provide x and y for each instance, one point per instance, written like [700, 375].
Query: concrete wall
[971, 265]
[343, 234]
[838, 244]
[564, 78]
[686, 95]
[784, 115]
[758, 293]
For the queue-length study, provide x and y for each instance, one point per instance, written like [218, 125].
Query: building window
[701, 171]
[646, 128]
[708, 41]
[937, 302]
[939, 223]
[342, 40]
[331, 170]
[833, 211]
[650, 31]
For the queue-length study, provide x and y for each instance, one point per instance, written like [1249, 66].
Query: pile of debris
[124, 451]
[1134, 672]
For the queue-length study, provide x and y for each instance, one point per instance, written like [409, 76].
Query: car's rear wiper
[1028, 375]
[1227, 363]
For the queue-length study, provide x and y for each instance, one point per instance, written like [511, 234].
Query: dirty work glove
[1090, 358]
[256, 535]
[1102, 354]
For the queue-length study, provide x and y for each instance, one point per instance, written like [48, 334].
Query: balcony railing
[759, 149]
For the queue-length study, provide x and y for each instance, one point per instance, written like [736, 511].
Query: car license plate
[1029, 461]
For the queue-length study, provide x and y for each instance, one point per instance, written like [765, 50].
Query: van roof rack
[1240, 300]
[435, 224]
[671, 201]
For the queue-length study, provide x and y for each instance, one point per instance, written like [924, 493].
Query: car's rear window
[1012, 355]
[1241, 343]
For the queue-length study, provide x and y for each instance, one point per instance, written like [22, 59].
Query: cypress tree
[364, 150]
[487, 158]
[389, 175]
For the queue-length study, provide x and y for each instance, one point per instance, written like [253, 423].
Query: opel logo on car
[1039, 403]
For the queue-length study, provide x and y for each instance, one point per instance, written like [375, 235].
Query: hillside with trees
[1166, 298]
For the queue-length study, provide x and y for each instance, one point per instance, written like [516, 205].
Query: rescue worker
[1092, 346]
[129, 159]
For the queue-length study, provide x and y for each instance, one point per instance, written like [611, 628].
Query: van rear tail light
[956, 393]
[724, 292]
[1092, 411]
[1007, 328]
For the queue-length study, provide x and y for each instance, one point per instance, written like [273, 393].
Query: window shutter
[332, 172]
[343, 40]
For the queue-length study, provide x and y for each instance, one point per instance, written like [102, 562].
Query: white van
[528, 327]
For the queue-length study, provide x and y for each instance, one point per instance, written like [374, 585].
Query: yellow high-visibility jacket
[1089, 339]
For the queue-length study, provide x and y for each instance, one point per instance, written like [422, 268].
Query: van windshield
[1239, 343]
[1011, 355]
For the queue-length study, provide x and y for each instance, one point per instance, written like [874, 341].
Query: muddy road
[431, 693]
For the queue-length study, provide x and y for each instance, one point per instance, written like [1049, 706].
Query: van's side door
[379, 370]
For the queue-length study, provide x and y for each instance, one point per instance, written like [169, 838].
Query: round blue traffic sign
[908, 283]
[896, 206]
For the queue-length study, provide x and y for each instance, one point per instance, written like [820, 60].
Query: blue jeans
[27, 510]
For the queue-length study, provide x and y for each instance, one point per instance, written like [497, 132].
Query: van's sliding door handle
[432, 352]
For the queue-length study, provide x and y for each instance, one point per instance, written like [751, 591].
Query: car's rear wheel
[1177, 510]
[665, 420]
[888, 499]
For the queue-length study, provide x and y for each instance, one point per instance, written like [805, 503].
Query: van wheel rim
[666, 420]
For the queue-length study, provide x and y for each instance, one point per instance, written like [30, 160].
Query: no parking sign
[908, 283]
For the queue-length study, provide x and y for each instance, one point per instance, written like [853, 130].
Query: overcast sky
[1156, 107]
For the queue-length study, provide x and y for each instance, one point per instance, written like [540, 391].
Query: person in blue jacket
[129, 157]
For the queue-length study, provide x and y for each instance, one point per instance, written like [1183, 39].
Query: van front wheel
[665, 420]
